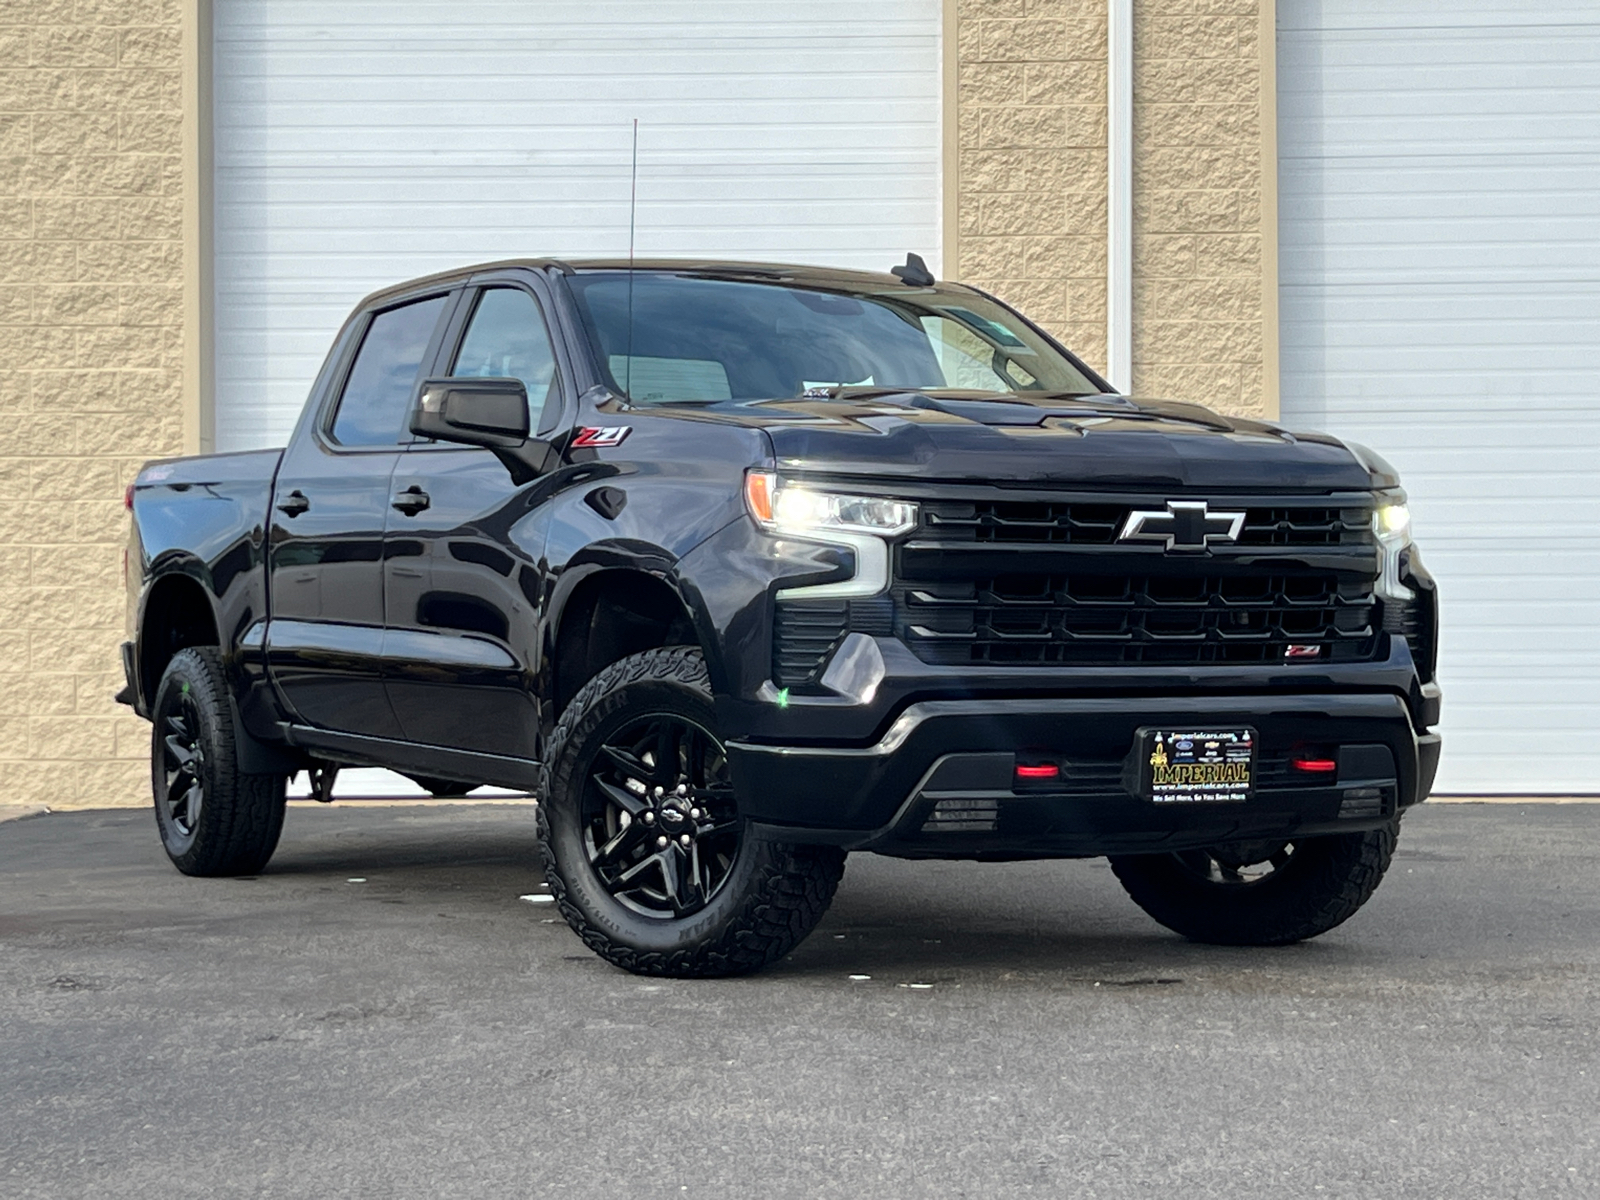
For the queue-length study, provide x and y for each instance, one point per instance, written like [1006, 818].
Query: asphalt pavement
[379, 1013]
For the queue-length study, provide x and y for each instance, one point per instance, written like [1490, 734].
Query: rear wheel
[214, 819]
[1264, 893]
[644, 846]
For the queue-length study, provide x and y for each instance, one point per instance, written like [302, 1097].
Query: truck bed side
[196, 555]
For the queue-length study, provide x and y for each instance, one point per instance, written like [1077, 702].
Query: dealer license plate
[1196, 765]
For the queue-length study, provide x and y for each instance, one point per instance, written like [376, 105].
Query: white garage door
[362, 142]
[1440, 301]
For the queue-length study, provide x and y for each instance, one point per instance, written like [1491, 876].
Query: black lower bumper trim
[941, 783]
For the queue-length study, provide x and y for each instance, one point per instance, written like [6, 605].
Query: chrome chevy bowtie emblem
[1182, 525]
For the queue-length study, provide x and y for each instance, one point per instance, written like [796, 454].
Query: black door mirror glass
[473, 411]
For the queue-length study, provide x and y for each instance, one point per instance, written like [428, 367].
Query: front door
[462, 557]
[330, 507]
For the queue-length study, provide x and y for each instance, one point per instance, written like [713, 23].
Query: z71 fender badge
[601, 435]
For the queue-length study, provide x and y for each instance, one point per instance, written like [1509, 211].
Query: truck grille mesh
[1091, 620]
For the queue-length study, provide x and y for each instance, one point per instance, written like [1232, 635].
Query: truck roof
[829, 277]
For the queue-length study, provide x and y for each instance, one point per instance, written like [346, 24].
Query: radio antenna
[633, 207]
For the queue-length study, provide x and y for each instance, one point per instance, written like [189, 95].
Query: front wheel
[644, 847]
[214, 819]
[1265, 893]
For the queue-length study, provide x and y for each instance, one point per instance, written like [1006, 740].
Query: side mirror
[475, 412]
[492, 413]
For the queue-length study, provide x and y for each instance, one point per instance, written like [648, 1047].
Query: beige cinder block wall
[1031, 184]
[1204, 218]
[91, 266]
[1031, 160]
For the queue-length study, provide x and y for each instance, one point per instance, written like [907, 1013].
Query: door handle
[294, 504]
[411, 501]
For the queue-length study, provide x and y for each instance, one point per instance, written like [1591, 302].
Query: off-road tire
[1322, 885]
[242, 814]
[774, 894]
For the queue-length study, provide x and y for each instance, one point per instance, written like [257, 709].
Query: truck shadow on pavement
[457, 880]
[917, 921]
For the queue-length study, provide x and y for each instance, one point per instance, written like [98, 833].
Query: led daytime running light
[796, 509]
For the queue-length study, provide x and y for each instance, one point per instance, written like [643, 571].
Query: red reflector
[127, 498]
[1042, 771]
[1319, 765]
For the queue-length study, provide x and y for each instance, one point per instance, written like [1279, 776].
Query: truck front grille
[1095, 619]
[1042, 580]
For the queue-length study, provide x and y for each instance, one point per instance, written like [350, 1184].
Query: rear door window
[374, 409]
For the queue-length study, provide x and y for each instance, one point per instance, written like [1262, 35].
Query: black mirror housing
[474, 412]
[492, 413]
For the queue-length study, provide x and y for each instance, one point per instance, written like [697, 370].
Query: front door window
[507, 340]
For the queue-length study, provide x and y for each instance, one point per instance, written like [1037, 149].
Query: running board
[411, 757]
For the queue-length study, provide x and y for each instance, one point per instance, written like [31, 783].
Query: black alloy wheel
[181, 792]
[661, 827]
[1237, 864]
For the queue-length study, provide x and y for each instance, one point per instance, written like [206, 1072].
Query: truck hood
[1106, 441]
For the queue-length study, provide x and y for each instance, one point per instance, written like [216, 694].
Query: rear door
[330, 507]
[462, 571]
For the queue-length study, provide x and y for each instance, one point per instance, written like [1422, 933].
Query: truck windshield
[699, 339]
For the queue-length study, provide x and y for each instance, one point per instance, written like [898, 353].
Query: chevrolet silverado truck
[740, 567]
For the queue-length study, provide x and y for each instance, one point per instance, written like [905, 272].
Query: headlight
[1392, 521]
[804, 512]
[1391, 525]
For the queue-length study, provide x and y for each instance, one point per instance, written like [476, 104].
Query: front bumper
[941, 781]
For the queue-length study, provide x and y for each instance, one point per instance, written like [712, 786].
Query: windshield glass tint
[698, 339]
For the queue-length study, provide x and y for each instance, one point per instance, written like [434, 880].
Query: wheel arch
[178, 611]
[606, 613]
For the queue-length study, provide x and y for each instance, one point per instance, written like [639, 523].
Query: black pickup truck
[740, 567]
